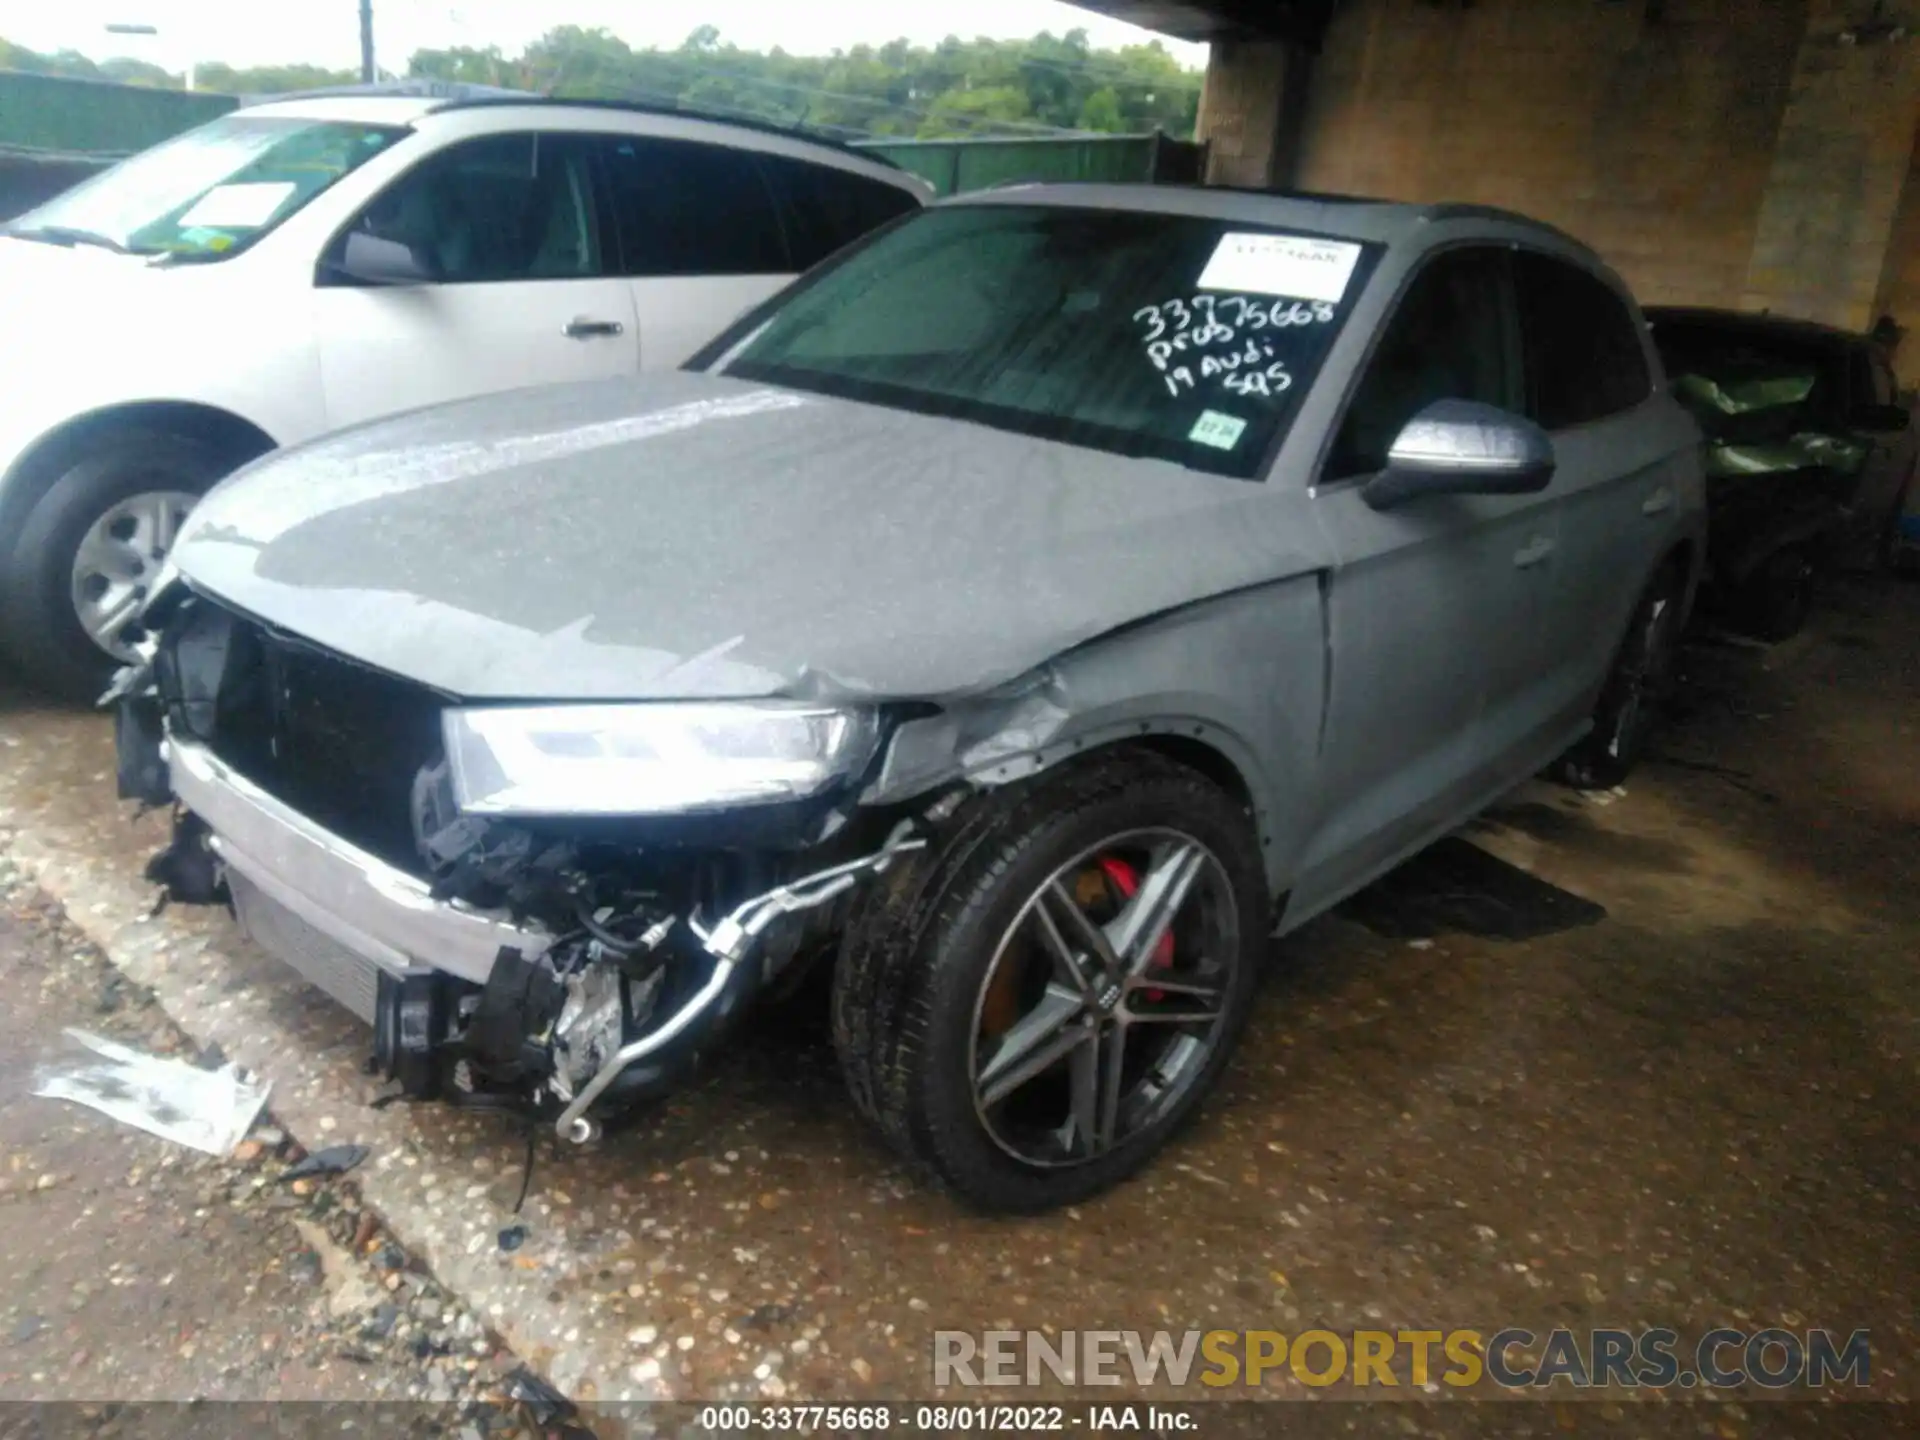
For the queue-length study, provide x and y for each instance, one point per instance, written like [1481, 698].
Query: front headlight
[649, 759]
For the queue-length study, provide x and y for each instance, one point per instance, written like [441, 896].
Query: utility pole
[151, 31]
[367, 72]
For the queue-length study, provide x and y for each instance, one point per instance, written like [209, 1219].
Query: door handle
[581, 328]
[1534, 552]
[1658, 503]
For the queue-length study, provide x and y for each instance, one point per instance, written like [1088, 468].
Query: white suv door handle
[581, 328]
[1534, 552]
[1658, 503]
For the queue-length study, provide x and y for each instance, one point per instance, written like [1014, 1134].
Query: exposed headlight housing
[670, 758]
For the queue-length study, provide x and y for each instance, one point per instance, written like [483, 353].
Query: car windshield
[1175, 336]
[210, 192]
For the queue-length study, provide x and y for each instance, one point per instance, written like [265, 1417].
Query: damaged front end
[556, 909]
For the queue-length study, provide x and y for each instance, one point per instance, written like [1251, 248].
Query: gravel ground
[134, 1269]
[1688, 1102]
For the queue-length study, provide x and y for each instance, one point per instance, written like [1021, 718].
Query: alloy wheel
[1105, 998]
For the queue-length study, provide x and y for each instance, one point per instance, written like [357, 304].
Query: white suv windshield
[210, 192]
[1181, 337]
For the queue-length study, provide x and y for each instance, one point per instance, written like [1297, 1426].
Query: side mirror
[1878, 418]
[1462, 447]
[372, 260]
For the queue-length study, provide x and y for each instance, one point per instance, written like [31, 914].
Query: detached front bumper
[352, 915]
[379, 941]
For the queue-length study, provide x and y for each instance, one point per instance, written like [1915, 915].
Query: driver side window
[499, 208]
[1451, 338]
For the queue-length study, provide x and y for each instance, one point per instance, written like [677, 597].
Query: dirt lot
[133, 1270]
[1690, 1102]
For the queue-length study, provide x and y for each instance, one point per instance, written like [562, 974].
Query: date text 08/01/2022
[946, 1419]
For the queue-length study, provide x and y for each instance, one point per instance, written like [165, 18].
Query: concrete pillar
[1900, 276]
[1840, 161]
[1250, 112]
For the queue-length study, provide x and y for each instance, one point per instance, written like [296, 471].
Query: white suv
[306, 264]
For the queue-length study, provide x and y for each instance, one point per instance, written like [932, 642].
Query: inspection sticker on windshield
[1290, 265]
[237, 206]
[1223, 432]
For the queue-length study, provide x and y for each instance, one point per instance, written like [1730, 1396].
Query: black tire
[1887, 552]
[1776, 601]
[915, 962]
[1634, 692]
[38, 621]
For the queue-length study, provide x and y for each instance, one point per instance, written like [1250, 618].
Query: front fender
[1242, 675]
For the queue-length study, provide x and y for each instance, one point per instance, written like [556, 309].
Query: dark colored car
[1810, 455]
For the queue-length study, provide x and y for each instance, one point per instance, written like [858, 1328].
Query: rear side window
[828, 209]
[1584, 357]
[683, 207]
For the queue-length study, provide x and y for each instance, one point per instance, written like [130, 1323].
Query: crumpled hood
[695, 536]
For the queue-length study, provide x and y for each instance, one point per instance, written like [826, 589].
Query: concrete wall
[1652, 142]
[1243, 109]
[1840, 164]
[1717, 152]
[1900, 277]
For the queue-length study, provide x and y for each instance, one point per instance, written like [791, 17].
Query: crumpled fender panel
[1241, 678]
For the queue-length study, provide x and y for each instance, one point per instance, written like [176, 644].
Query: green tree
[1046, 84]
[270, 79]
[968, 112]
[125, 71]
[68, 63]
[1101, 111]
[466, 65]
[1043, 85]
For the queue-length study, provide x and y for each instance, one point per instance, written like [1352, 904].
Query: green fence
[955, 165]
[44, 119]
[48, 114]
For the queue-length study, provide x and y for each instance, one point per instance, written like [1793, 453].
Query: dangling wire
[526, 1170]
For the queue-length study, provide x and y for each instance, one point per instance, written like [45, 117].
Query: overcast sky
[326, 32]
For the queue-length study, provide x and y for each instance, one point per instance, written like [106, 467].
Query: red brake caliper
[1128, 884]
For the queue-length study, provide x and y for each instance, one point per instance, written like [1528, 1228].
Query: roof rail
[809, 134]
[1267, 192]
[418, 88]
[1462, 210]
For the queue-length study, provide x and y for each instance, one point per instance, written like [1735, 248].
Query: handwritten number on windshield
[1156, 326]
[1248, 369]
[1222, 319]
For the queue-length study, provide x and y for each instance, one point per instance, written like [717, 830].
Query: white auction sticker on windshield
[242, 207]
[1291, 265]
[1223, 432]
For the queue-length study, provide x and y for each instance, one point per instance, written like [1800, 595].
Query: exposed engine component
[730, 943]
[615, 982]
[602, 1008]
[411, 1023]
[188, 870]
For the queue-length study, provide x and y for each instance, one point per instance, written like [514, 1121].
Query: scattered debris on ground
[253, 1274]
[206, 1110]
[334, 1160]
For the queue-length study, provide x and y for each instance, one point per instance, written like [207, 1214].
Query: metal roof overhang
[1301, 21]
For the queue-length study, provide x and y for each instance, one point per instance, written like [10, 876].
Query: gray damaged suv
[1023, 616]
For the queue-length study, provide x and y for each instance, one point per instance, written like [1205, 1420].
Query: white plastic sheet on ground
[208, 1110]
